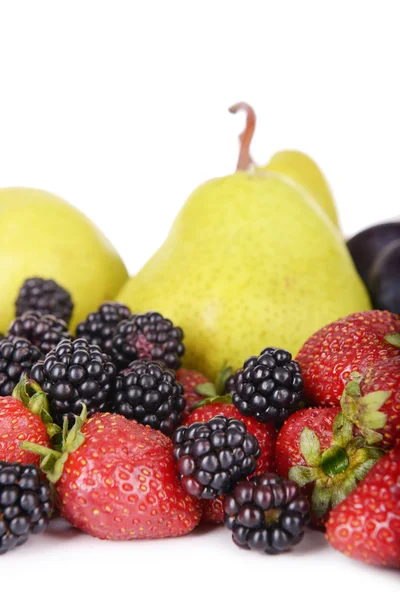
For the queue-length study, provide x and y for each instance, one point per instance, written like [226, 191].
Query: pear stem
[245, 160]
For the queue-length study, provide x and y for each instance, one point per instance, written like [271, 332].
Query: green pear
[251, 261]
[42, 235]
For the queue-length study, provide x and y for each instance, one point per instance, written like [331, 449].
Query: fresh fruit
[320, 449]
[189, 380]
[17, 356]
[372, 403]
[149, 393]
[44, 331]
[265, 433]
[25, 504]
[267, 513]
[269, 387]
[366, 526]
[353, 343]
[67, 247]
[18, 423]
[147, 336]
[212, 456]
[383, 278]
[303, 171]
[250, 260]
[367, 244]
[99, 326]
[46, 297]
[116, 479]
[75, 372]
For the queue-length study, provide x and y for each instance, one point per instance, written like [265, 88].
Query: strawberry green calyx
[211, 390]
[53, 459]
[364, 411]
[336, 471]
[394, 339]
[32, 396]
[227, 399]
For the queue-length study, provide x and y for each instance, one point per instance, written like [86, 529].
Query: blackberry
[150, 394]
[267, 513]
[46, 297]
[147, 336]
[229, 386]
[17, 356]
[213, 456]
[44, 331]
[99, 327]
[269, 387]
[73, 373]
[25, 504]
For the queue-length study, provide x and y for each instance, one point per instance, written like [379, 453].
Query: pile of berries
[277, 445]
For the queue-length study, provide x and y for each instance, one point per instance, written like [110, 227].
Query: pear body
[43, 235]
[250, 262]
[305, 172]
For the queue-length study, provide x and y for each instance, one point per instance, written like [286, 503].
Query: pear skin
[44, 236]
[251, 261]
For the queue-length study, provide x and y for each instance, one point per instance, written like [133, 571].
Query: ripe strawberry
[320, 449]
[353, 343]
[372, 403]
[189, 381]
[366, 526]
[213, 511]
[116, 479]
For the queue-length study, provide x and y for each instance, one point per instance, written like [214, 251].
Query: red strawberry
[266, 436]
[189, 381]
[353, 343]
[319, 448]
[372, 403]
[366, 526]
[17, 424]
[116, 479]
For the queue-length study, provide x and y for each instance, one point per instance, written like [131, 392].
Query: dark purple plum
[384, 279]
[366, 245]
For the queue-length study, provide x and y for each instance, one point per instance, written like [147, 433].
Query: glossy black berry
[44, 331]
[212, 456]
[267, 513]
[46, 297]
[17, 356]
[148, 336]
[72, 373]
[148, 393]
[25, 504]
[269, 387]
[99, 327]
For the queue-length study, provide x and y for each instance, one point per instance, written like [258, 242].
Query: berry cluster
[46, 297]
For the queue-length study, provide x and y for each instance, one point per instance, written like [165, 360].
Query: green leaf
[374, 419]
[310, 447]
[338, 495]
[334, 460]
[320, 499]
[206, 389]
[374, 400]
[223, 376]
[342, 430]
[393, 338]
[227, 399]
[303, 475]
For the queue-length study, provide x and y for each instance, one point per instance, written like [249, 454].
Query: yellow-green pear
[43, 235]
[251, 261]
[305, 172]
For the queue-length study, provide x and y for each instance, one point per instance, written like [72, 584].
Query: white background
[121, 108]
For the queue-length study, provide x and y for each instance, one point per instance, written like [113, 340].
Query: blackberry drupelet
[44, 331]
[99, 327]
[267, 513]
[25, 504]
[148, 393]
[148, 336]
[46, 297]
[212, 456]
[73, 373]
[229, 386]
[17, 356]
[269, 387]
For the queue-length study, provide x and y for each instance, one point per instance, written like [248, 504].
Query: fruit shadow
[60, 529]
